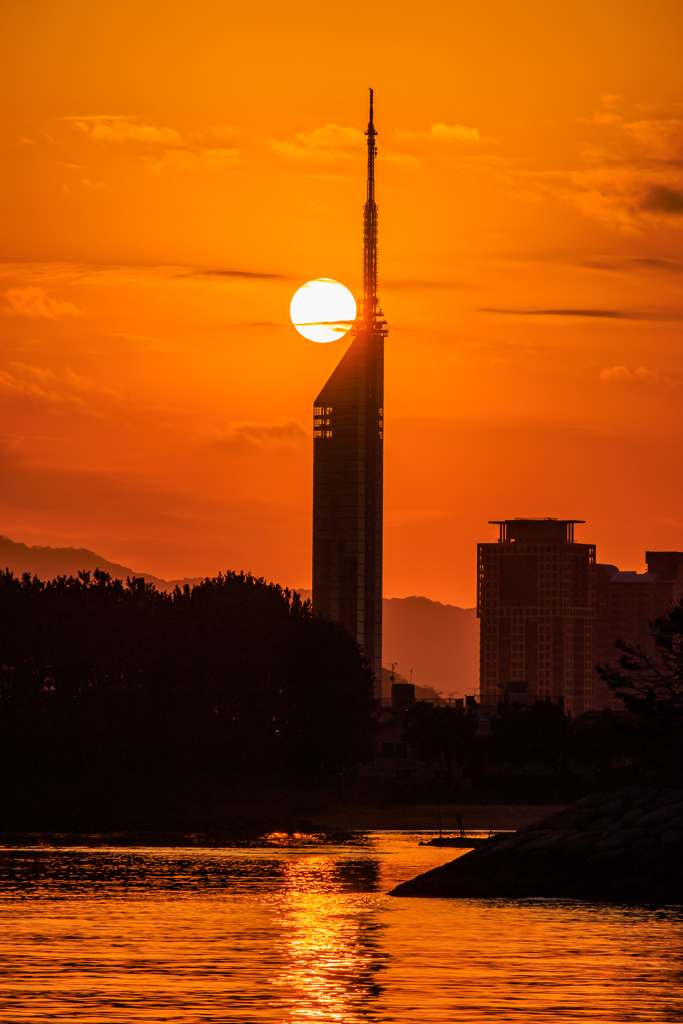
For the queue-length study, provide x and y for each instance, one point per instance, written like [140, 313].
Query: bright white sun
[323, 310]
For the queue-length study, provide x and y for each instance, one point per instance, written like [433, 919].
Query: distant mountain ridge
[47, 563]
[439, 642]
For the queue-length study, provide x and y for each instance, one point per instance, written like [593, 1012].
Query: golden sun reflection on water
[330, 947]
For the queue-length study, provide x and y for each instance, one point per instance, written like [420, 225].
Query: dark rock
[645, 845]
[615, 808]
[579, 843]
[635, 794]
[620, 838]
[540, 859]
[601, 824]
[510, 843]
[584, 818]
[633, 816]
[624, 845]
[536, 840]
[604, 859]
[663, 814]
[647, 799]
[592, 800]
[673, 796]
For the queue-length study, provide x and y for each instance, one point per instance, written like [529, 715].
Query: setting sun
[323, 310]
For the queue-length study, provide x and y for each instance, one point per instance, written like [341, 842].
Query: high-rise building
[627, 602]
[348, 464]
[536, 603]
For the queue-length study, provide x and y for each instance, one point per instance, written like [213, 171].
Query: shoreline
[335, 821]
[431, 817]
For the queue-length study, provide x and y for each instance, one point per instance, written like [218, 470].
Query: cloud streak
[452, 133]
[603, 314]
[35, 302]
[118, 130]
[621, 375]
[631, 172]
[248, 434]
[41, 384]
[249, 275]
[58, 273]
[664, 200]
[329, 142]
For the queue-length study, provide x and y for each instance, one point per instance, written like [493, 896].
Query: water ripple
[301, 932]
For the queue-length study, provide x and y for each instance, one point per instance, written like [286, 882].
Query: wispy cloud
[60, 274]
[329, 142]
[633, 169]
[105, 128]
[455, 133]
[163, 148]
[642, 375]
[224, 131]
[56, 388]
[441, 132]
[16, 386]
[35, 302]
[664, 200]
[248, 434]
[67, 377]
[658, 264]
[192, 161]
[606, 314]
[630, 173]
[255, 275]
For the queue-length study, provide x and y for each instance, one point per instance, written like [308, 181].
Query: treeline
[541, 749]
[233, 677]
[643, 742]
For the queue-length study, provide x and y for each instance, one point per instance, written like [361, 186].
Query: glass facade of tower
[536, 602]
[347, 495]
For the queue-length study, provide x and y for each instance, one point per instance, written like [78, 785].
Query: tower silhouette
[348, 445]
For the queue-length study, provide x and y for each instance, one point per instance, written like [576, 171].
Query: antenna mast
[370, 300]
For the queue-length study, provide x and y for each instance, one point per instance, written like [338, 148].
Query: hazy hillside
[421, 692]
[439, 642]
[47, 562]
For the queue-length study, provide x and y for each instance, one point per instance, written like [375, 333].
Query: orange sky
[172, 172]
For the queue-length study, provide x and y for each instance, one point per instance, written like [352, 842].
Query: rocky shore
[621, 846]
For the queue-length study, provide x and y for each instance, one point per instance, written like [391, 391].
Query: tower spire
[370, 300]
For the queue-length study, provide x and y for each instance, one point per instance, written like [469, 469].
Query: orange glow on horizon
[161, 205]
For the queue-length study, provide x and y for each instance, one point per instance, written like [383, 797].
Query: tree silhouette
[651, 683]
[524, 736]
[235, 676]
[442, 732]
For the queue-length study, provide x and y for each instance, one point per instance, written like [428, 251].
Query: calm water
[303, 932]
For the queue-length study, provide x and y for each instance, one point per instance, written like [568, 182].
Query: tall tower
[348, 446]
